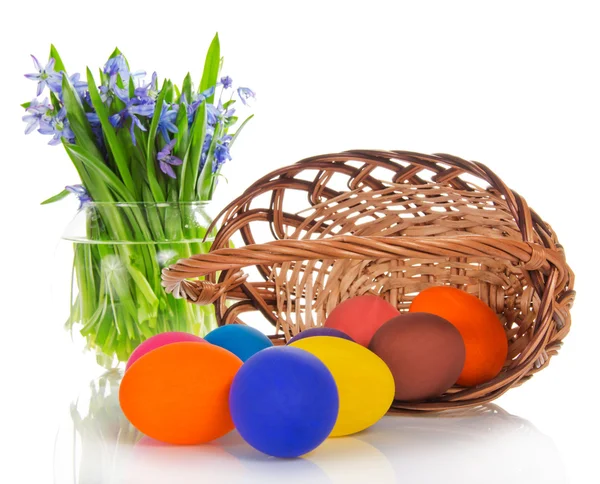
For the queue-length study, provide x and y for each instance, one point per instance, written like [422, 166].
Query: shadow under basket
[389, 223]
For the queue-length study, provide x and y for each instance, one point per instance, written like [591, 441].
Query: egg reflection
[97, 445]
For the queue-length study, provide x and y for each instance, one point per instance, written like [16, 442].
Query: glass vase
[112, 255]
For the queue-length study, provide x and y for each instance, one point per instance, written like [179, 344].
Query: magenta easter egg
[159, 340]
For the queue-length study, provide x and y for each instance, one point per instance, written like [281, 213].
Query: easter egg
[359, 317]
[483, 334]
[424, 352]
[159, 340]
[179, 393]
[321, 331]
[365, 383]
[243, 341]
[284, 402]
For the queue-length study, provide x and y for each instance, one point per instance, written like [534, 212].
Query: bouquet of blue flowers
[145, 156]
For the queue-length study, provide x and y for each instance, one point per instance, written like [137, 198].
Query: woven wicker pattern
[391, 224]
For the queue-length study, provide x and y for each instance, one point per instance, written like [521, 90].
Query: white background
[512, 84]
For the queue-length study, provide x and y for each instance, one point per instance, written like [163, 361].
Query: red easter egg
[361, 316]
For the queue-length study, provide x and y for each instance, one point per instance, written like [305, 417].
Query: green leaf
[157, 192]
[239, 130]
[183, 137]
[25, 105]
[191, 162]
[58, 63]
[177, 93]
[143, 286]
[169, 92]
[206, 178]
[211, 67]
[118, 151]
[153, 215]
[78, 120]
[131, 87]
[231, 121]
[228, 103]
[186, 88]
[103, 77]
[55, 102]
[57, 197]
[97, 166]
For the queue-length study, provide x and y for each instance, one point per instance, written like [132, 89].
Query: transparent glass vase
[110, 258]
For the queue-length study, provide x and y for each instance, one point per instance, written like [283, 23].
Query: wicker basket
[390, 223]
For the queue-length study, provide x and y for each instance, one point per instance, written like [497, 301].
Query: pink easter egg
[159, 340]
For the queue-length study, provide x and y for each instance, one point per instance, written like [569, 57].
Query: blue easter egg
[243, 341]
[322, 331]
[284, 402]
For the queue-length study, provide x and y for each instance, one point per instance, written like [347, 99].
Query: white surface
[512, 84]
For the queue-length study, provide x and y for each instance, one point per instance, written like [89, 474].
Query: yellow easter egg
[365, 383]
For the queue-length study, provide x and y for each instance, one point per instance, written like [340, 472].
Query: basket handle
[176, 278]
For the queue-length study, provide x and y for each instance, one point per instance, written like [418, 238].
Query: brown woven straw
[390, 223]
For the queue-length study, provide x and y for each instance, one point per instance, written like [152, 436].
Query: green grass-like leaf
[183, 135]
[191, 162]
[103, 173]
[186, 88]
[206, 179]
[78, 120]
[59, 66]
[155, 187]
[55, 102]
[57, 197]
[118, 151]
[211, 67]
[239, 130]
[169, 92]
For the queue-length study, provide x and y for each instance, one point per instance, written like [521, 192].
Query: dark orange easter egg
[359, 317]
[485, 340]
[179, 393]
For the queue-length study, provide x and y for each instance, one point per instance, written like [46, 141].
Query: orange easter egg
[361, 316]
[485, 340]
[179, 393]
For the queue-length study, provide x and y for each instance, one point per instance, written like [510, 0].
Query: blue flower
[201, 97]
[148, 91]
[166, 122]
[218, 113]
[58, 127]
[132, 110]
[93, 119]
[79, 86]
[226, 81]
[196, 101]
[246, 93]
[212, 114]
[81, 193]
[206, 145]
[106, 95]
[36, 111]
[134, 107]
[46, 76]
[96, 126]
[117, 66]
[166, 161]
[221, 152]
